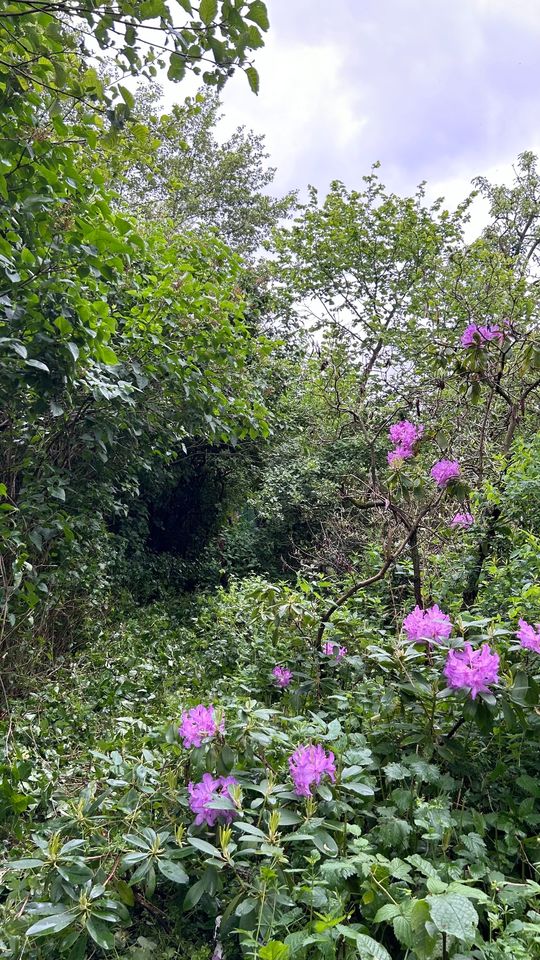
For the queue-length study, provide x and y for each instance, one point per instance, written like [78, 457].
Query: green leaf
[258, 13]
[106, 354]
[177, 67]
[125, 893]
[78, 950]
[207, 11]
[205, 847]
[38, 364]
[253, 78]
[173, 871]
[25, 864]
[194, 894]
[75, 873]
[127, 96]
[453, 914]
[52, 924]
[274, 950]
[386, 912]
[100, 933]
[369, 949]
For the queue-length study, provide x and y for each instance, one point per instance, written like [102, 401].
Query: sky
[437, 90]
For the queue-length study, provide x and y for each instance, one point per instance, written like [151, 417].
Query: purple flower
[529, 636]
[204, 793]
[308, 765]
[198, 724]
[282, 675]
[472, 669]
[465, 520]
[444, 471]
[329, 648]
[475, 336]
[396, 457]
[405, 434]
[430, 624]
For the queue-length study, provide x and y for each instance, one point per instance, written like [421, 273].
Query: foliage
[406, 852]
[171, 168]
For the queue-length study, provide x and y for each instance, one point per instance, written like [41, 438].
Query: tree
[171, 168]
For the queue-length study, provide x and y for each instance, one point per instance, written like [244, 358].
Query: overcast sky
[437, 90]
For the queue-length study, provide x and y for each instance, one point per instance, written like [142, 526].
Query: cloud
[434, 90]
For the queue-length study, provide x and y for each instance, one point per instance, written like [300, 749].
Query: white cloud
[304, 106]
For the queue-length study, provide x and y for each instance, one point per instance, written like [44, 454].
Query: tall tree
[173, 168]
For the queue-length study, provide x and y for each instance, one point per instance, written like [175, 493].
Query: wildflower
[465, 520]
[206, 792]
[396, 457]
[472, 669]
[198, 724]
[529, 636]
[405, 434]
[282, 675]
[430, 624]
[329, 648]
[308, 765]
[444, 471]
[475, 336]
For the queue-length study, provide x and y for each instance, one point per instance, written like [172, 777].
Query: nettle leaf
[453, 914]
[396, 771]
[369, 949]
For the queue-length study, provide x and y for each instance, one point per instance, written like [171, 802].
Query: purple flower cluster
[529, 636]
[475, 336]
[472, 669]
[329, 648]
[431, 624]
[199, 724]
[403, 435]
[282, 676]
[206, 792]
[444, 471]
[308, 765]
[464, 520]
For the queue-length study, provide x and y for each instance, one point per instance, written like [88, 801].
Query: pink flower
[465, 520]
[430, 624]
[404, 436]
[330, 649]
[444, 471]
[206, 792]
[529, 636]
[397, 456]
[405, 433]
[282, 675]
[308, 765]
[472, 669]
[199, 724]
[475, 336]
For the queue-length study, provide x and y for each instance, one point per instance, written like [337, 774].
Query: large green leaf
[453, 914]
[369, 949]
[51, 924]
[173, 871]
